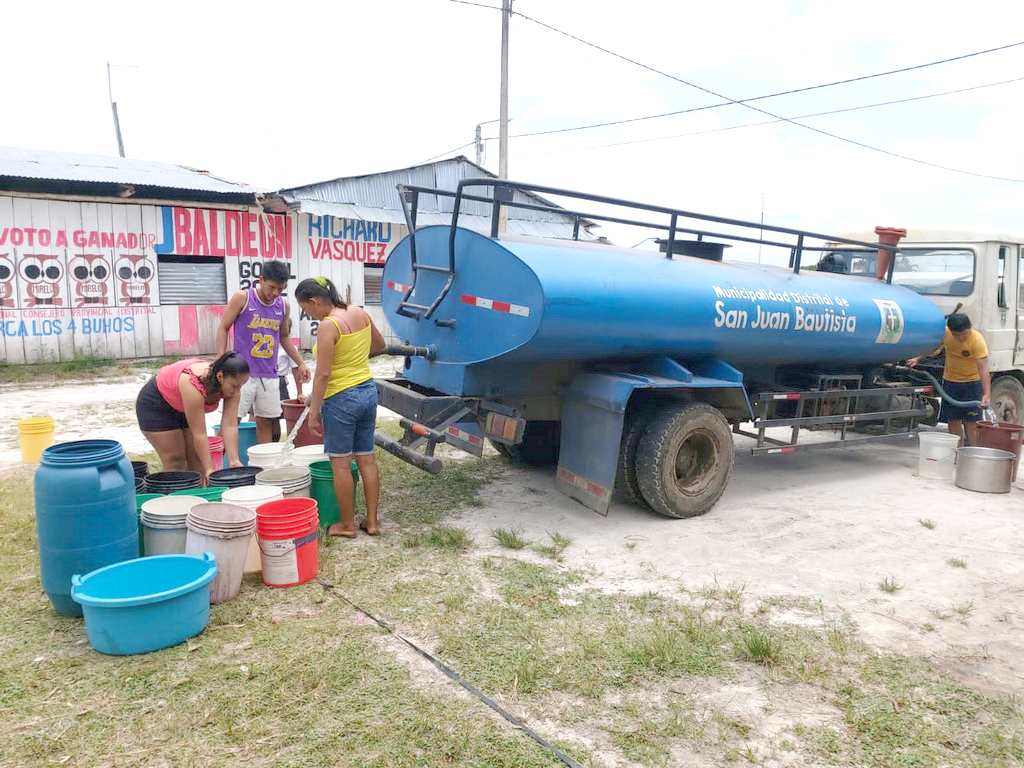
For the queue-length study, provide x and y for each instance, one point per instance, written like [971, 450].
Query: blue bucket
[143, 605]
[246, 439]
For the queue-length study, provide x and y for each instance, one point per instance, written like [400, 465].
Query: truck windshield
[928, 271]
[935, 271]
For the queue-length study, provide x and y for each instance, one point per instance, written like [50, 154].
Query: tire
[1008, 398]
[684, 460]
[539, 447]
[636, 422]
[501, 448]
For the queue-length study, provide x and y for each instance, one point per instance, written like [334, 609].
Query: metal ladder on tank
[831, 406]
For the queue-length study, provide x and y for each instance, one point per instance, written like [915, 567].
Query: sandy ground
[827, 525]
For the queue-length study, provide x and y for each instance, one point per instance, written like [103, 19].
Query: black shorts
[154, 413]
[282, 387]
[962, 391]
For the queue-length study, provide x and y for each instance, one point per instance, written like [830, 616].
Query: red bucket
[283, 509]
[1003, 436]
[292, 410]
[288, 559]
[216, 451]
[292, 527]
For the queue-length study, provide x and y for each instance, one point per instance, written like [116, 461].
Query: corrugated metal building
[120, 258]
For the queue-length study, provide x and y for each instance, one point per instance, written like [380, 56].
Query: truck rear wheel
[626, 483]
[1008, 399]
[684, 460]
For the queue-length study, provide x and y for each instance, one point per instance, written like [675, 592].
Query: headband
[321, 281]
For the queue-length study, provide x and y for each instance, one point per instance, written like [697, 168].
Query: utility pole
[113, 108]
[506, 12]
[479, 146]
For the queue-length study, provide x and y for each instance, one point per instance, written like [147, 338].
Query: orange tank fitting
[887, 236]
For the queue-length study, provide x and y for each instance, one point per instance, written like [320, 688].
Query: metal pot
[988, 470]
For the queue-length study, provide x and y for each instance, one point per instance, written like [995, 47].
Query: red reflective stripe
[583, 484]
[469, 437]
[397, 287]
[789, 449]
[497, 306]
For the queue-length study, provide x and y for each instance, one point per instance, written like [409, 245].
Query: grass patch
[79, 367]
[557, 544]
[296, 677]
[927, 523]
[448, 537]
[956, 562]
[509, 538]
[760, 645]
[890, 585]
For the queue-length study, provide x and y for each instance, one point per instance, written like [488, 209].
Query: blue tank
[525, 300]
[85, 514]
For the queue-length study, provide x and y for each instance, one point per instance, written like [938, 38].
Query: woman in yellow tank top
[343, 403]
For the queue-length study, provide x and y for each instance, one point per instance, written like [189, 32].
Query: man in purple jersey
[256, 318]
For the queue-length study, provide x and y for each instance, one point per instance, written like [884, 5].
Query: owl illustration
[134, 273]
[42, 274]
[91, 274]
[6, 281]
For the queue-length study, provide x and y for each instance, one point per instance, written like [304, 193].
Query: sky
[281, 95]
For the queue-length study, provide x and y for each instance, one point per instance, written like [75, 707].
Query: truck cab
[979, 274]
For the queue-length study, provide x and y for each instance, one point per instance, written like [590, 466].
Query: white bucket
[252, 496]
[270, 455]
[229, 547]
[164, 540]
[308, 454]
[294, 482]
[937, 455]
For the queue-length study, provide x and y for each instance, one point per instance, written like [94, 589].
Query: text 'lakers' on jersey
[258, 334]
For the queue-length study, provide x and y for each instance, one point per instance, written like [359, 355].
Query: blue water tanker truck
[632, 370]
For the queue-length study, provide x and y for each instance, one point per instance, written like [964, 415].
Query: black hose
[938, 387]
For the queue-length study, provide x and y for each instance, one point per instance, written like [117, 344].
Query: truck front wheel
[684, 460]
[1008, 399]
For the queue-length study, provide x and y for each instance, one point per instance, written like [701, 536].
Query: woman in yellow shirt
[965, 377]
[343, 403]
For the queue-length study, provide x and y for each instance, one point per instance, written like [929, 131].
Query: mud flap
[592, 417]
[593, 413]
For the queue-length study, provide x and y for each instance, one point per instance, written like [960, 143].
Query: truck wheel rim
[695, 462]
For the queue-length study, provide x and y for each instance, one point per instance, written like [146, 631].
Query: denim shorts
[963, 391]
[349, 419]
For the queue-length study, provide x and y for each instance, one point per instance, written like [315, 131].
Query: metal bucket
[987, 470]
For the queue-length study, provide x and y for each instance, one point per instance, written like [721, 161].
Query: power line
[771, 122]
[764, 111]
[424, 162]
[759, 98]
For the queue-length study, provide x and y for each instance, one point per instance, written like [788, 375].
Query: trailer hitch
[430, 464]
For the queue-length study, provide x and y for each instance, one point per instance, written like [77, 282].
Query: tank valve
[887, 236]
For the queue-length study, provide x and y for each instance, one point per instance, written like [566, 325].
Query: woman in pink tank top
[172, 408]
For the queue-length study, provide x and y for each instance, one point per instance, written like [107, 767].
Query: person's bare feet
[366, 528]
[336, 530]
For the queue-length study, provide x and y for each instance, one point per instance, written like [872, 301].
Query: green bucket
[321, 488]
[210, 494]
[140, 499]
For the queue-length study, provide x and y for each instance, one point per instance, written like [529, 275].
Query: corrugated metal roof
[559, 228]
[378, 191]
[16, 162]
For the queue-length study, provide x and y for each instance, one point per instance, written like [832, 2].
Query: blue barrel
[246, 439]
[85, 514]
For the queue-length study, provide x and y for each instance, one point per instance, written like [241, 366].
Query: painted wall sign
[81, 278]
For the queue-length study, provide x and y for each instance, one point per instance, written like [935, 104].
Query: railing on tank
[503, 192]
